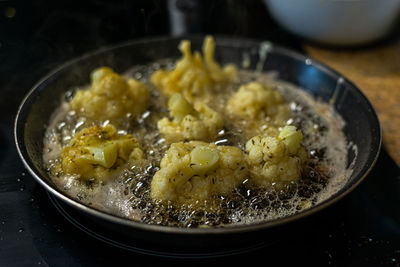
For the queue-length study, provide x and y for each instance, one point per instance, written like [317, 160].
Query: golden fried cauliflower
[198, 123]
[97, 153]
[196, 171]
[194, 76]
[110, 96]
[276, 160]
[256, 101]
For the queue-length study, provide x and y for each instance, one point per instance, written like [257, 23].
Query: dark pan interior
[362, 126]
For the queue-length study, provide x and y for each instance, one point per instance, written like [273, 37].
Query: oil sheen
[128, 194]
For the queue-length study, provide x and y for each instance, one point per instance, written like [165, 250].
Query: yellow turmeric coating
[98, 153]
[111, 97]
[194, 76]
[257, 101]
[190, 123]
[276, 161]
[194, 172]
[261, 108]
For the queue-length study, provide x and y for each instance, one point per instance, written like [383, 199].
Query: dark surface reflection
[363, 229]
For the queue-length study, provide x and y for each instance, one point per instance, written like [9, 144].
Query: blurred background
[359, 38]
[36, 36]
[356, 37]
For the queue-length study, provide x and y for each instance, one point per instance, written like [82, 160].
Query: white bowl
[337, 22]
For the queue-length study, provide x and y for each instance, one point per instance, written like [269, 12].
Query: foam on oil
[128, 194]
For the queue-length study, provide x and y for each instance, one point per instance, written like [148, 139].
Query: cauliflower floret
[198, 123]
[257, 101]
[110, 96]
[97, 153]
[276, 161]
[195, 77]
[194, 172]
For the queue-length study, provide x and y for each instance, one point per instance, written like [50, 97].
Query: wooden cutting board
[376, 71]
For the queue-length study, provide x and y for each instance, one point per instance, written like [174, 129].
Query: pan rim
[22, 113]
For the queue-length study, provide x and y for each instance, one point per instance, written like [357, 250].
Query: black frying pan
[362, 128]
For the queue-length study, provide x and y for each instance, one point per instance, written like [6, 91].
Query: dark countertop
[363, 229]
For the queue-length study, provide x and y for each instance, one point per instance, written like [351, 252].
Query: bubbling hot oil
[128, 195]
